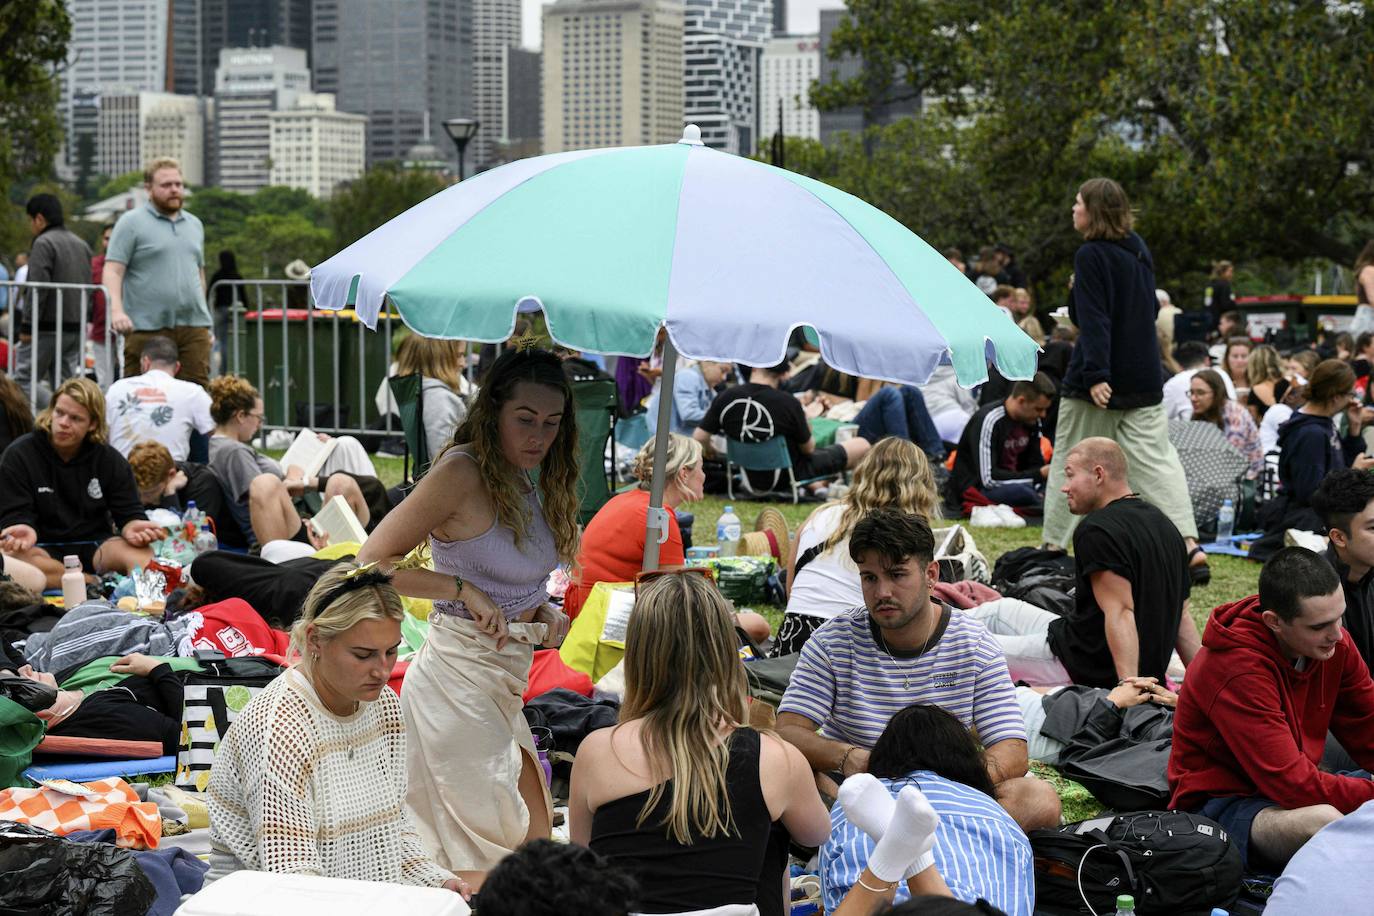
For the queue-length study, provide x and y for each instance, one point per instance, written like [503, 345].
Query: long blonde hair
[332, 611]
[895, 473]
[682, 453]
[1263, 365]
[433, 358]
[559, 472]
[685, 682]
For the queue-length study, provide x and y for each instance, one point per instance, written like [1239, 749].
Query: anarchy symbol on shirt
[756, 423]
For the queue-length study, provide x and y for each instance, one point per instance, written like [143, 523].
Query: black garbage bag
[41, 873]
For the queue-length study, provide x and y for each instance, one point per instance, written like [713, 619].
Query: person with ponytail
[696, 806]
[312, 777]
[477, 790]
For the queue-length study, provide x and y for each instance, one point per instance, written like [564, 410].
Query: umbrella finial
[691, 135]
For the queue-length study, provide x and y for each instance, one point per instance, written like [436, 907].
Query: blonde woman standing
[476, 787]
[681, 794]
[822, 581]
[311, 778]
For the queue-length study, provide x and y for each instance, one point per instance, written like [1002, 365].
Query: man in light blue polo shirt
[155, 272]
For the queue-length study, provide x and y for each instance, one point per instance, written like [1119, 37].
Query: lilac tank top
[515, 579]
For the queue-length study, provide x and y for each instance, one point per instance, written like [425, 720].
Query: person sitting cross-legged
[67, 492]
[999, 452]
[1131, 599]
[900, 647]
[1276, 672]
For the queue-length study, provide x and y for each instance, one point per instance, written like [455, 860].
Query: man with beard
[155, 272]
[904, 647]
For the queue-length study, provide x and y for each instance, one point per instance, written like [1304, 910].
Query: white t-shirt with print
[157, 406]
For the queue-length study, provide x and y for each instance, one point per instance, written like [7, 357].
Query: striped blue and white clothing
[979, 850]
[852, 688]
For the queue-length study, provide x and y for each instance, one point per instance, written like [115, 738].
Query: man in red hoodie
[1276, 671]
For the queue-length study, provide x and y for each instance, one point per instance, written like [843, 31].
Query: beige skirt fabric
[466, 740]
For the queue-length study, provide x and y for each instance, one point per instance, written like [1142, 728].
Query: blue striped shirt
[979, 849]
[852, 688]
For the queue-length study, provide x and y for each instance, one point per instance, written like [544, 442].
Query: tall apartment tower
[135, 127]
[723, 43]
[496, 27]
[790, 64]
[851, 119]
[250, 84]
[392, 62]
[244, 24]
[612, 73]
[315, 148]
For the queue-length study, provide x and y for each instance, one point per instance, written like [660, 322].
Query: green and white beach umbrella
[729, 254]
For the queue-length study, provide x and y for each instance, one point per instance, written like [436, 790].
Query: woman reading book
[476, 788]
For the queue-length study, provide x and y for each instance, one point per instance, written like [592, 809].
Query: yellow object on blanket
[596, 639]
[65, 807]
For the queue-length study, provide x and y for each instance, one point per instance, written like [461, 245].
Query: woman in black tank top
[674, 794]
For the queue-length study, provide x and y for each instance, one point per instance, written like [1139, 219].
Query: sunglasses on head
[649, 575]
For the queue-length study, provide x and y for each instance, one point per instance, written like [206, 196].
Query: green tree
[266, 243]
[1241, 128]
[119, 184]
[381, 193]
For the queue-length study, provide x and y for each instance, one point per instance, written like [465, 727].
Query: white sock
[867, 804]
[905, 847]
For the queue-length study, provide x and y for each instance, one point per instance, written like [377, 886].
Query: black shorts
[84, 550]
[823, 462]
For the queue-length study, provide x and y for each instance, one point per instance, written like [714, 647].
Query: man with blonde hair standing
[155, 272]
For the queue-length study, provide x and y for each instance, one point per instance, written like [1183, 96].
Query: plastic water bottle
[1218, 911]
[1125, 905]
[205, 538]
[1226, 522]
[73, 582]
[728, 532]
[190, 519]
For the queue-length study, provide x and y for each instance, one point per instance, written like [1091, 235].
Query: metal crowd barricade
[29, 292]
[254, 297]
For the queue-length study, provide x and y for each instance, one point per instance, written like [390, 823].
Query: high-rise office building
[250, 84]
[136, 127]
[612, 73]
[522, 104]
[496, 27]
[791, 63]
[393, 62]
[851, 119]
[723, 43]
[314, 147]
[248, 24]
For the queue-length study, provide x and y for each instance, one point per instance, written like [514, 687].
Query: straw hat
[755, 544]
[297, 270]
[771, 527]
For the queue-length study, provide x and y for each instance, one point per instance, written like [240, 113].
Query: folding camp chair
[408, 393]
[594, 401]
[768, 455]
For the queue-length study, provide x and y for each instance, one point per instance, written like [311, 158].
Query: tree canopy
[1242, 129]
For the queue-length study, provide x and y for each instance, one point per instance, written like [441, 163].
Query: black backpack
[1171, 862]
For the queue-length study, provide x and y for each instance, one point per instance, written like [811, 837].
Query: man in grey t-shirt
[155, 272]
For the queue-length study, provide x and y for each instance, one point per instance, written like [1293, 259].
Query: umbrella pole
[656, 525]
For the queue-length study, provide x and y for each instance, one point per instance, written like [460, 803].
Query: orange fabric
[106, 803]
[115, 748]
[612, 547]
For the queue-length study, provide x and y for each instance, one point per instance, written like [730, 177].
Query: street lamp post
[461, 130]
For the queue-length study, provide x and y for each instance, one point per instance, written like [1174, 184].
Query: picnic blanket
[65, 807]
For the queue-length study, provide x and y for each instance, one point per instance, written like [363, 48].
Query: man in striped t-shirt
[903, 647]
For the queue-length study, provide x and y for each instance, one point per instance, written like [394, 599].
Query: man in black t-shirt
[758, 411]
[1131, 597]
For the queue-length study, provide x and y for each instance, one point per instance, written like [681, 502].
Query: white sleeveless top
[829, 584]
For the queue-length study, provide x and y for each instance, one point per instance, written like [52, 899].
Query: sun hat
[297, 270]
[772, 526]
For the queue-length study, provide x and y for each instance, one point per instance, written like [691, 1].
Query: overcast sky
[802, 16]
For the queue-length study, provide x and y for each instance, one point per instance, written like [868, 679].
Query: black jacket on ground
[90, 498]
[1120, 755]
[135, 709]
[1113, 305]
[980, 446]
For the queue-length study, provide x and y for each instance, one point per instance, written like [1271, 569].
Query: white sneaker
[1009, 517]
[985, 517]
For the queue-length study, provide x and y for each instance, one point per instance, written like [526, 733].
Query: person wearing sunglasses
[682, 794]
[477, 789]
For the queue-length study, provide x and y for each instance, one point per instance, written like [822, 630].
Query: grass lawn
[1232, 577]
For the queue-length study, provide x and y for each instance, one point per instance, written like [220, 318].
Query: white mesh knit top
[296, 788]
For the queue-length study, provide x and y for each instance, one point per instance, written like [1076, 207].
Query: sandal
[1199, 573]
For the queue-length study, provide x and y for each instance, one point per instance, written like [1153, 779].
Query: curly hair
[230, 395]
[152, 462]
[682, 453]
[895, 473]
[559, 472]
[88, 396]
[544, 878]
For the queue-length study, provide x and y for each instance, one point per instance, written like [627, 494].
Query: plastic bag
[741, 579]
[43, 873]
[34, 696]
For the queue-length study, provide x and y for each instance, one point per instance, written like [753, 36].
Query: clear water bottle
[190, 519]
[728, 532]
[1125, 905]
[1226, 522]
[205, 538]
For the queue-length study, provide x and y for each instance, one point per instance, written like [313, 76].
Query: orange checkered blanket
[66, 807]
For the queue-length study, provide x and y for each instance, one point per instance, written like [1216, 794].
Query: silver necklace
[906, 672]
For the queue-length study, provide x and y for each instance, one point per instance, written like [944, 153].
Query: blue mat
[1239, 546]
[86, 770]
